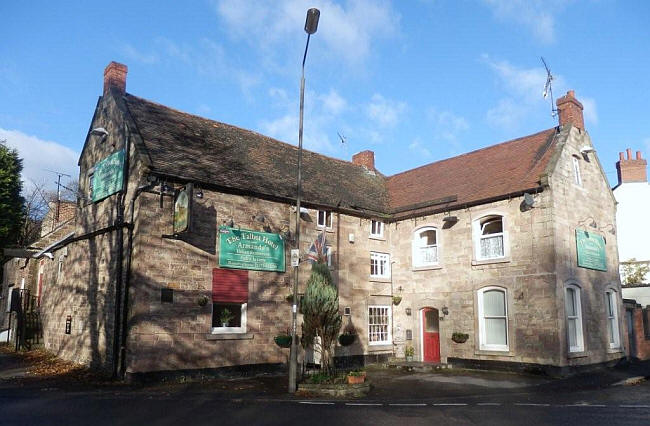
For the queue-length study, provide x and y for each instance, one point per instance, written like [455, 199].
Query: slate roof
[195, 148]
[192, 147]
[507, 168]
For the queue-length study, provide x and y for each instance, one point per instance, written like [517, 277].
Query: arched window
[612, 319]
[425, 247]
[489, 237]
[493, 319]
[574, 318]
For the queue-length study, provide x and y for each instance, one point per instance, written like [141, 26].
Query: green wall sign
[108, 176]
[244, 249]
[591, 250]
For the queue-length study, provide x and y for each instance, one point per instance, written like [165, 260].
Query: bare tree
[36, 207]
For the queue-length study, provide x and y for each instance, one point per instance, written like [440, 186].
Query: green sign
[591, 250]
[244, 249]
[108, 176]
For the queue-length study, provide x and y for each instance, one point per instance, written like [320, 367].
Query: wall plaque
[108, 177]
[591, 250]
[245, 249]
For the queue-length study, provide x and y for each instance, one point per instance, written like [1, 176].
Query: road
[628, 405]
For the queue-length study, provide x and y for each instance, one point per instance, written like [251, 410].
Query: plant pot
[397, 300]
[346, 339]
[409, 358]
[224, 324]
[355, 380]
[459, 337]
[283, 341]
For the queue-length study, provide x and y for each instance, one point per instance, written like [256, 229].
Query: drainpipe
[392, 316]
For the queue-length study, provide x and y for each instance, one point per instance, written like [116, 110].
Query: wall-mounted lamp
[408, 311]
[449, 221]
[586, 150]
[445, 310]
[199, 193]
[260, 218]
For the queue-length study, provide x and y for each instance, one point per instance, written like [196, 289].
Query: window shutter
[229, 285]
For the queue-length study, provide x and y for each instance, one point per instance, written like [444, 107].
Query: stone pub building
[178, 258]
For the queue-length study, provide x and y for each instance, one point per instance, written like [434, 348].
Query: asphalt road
[624, 405]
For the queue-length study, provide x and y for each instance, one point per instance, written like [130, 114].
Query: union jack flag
[317, 249]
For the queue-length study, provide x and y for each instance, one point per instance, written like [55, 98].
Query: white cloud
[321, 119]
[384, 112]
[136, 55]
[348, 30]
[538, 16]
[448, 126]
[419, 149]
[39, 156]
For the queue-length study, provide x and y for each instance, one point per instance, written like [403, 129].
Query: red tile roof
[487, 173]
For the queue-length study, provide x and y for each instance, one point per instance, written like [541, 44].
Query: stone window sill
[380, 348]
[379, 280]
[572, 355]
[229, 336]
[377, 238]
[490, 261]
[494, 353]
[614, 350]
[427, 268]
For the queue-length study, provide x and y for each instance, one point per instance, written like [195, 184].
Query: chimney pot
[364, 158]
[115, 78]
[631, 169]
[570, 110]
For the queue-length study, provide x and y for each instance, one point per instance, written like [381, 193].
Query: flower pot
[346, 339]
[409, 358]
[459, 337]
[355, 380]
[224, 324]
[283, 341]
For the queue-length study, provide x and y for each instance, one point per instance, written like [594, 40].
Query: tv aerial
[548, 88]
[341, 137]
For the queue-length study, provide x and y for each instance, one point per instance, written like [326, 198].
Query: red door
[430, 335]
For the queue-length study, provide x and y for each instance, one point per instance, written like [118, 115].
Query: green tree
[634, 272]
[11, 202]
[320, 308]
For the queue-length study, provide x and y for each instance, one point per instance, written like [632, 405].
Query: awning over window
[229, 285]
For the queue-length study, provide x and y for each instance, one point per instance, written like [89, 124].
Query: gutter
[46, 250]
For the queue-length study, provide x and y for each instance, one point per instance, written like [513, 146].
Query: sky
[414, 81]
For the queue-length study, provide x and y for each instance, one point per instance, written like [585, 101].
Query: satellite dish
[529, 201]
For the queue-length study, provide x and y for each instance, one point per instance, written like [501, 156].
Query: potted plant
[408, 353]
[202, 301]
[283, 340]
[225, 317]
[397, 300]
[289, 298]
[356, 377]
[459, 337]
[348, 336]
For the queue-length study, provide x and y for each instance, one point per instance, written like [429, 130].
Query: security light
[99, 131]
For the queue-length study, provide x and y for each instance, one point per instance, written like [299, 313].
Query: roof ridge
[269, 138]
[472, 152]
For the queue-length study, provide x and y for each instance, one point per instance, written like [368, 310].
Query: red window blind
[229, 285]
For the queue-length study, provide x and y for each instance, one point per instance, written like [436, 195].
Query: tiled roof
[487, 173]
[195, 148]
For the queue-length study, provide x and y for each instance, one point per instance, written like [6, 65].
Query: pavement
[392, 384]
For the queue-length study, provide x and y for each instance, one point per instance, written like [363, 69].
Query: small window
[574, 319]
[229, 317]
[577, 178]
[89, 184]
[379, 265]
[324, 219]
[425, 247]
[612, 319]
[59, 270]
[379, 325]
[490, 242]
[493, 319]
[376, 229]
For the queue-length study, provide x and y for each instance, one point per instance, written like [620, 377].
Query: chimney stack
[365, 159]
[570, 110]
[115, 78]
[631, 169]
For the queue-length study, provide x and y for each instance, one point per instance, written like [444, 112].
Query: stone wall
[589, 206]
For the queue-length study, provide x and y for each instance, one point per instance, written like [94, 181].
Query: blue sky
[414, 81]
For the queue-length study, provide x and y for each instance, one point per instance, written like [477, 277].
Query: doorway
[430, 335]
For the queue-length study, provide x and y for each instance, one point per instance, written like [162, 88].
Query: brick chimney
[631, 169]
[570, 110]
[115, 77]
[365, 158]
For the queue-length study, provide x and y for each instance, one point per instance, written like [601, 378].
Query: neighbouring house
[180, 261]
[633, 231]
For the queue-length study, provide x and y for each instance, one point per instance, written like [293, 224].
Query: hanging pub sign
[245, 249]
[591, 250]
[183, 209]
[108, 177]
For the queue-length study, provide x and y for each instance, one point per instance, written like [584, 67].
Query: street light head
[311, 23]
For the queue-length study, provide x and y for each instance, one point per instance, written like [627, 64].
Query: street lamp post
[311, 24]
